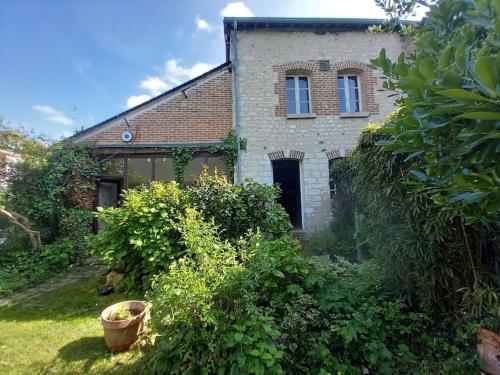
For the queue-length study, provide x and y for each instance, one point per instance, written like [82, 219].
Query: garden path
[73, 276]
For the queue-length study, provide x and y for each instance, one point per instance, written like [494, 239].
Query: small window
[349, 93]
[298, 95]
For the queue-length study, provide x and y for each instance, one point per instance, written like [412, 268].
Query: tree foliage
[41, 192]
[450, 98]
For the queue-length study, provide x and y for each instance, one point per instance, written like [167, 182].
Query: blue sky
[73, 63]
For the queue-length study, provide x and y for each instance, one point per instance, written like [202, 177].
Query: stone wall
[264, 58]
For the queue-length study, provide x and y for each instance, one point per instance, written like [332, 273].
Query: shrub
[259, 306]
[239, 208]
[42, 191]
[144, 234]
[433, 168]
[76, 224]
[21, 269]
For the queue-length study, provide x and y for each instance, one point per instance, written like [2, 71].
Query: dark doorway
[287, 175]
[108, 195]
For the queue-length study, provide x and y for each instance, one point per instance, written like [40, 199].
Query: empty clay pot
[121, 334]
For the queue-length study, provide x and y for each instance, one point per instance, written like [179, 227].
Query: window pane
[290, 95]
[342, 97]
[304, 95]
[115, 167]
[139, 171]
[193, 169]
[354, 100]
[353, 81]
[290, 105]
[216, 162]
[353, 94]
[304, 107]
[164, 169]
[303, 83]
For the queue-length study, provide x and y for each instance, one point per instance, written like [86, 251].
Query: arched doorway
[286, 173]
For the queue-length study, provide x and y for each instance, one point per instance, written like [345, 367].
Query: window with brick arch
[298, 94]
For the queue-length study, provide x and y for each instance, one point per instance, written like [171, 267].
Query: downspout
[236, 70]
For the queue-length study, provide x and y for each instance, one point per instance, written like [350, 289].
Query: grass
[59, 332]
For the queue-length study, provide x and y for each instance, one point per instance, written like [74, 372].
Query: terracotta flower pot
[488, 348]
[121, 334]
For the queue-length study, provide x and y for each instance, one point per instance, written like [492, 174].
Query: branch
[23, 223]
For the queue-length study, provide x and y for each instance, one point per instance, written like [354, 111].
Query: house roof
[291, 24]
[173, 91]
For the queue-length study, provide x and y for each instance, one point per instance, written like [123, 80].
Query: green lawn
[60, 332]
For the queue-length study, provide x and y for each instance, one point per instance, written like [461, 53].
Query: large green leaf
[469, 197]
[480, 116]
[462, 94]
[485, 72]
[427, 68]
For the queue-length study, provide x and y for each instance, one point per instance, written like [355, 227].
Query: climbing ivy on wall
[181, 157]
[65, 179]
[229, 150]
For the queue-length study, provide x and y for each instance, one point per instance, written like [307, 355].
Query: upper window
[349, 93]
[298, 95]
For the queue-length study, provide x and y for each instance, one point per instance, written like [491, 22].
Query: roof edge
[285, 23]
[174, 90]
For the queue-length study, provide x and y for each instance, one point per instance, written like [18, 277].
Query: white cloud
[136, 100]
[53, 115]
[173, 75]
[154, 85]
[236, 9]
[203, 25]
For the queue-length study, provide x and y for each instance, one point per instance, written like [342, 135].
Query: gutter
[236, 70]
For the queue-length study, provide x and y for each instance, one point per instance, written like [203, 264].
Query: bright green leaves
[461, 94]
[451, 115]
[486, 71]
[427, 68]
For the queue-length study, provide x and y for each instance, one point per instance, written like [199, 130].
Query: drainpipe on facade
[236, 74]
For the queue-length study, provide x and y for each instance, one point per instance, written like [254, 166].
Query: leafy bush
[22, 269]
[144, 233]
[76, 224]
[42, 191]
[239, 208]
[258, 306]
[433, 169]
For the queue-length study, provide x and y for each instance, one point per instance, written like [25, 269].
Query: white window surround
[300, 112]
[351, 112]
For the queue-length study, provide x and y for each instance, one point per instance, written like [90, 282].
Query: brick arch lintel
[338, 153]
[350, 65]
[293, 154]
[299, 65]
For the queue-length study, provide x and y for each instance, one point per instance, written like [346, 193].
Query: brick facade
[324, 89]
[201, 113]
[265, 57]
